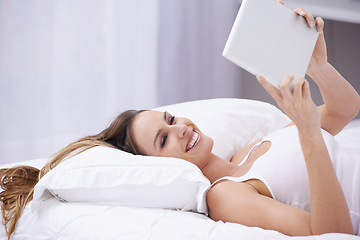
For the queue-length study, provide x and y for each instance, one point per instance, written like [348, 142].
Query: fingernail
[312, 23]
[260, 79]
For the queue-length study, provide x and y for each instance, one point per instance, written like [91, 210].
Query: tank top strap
[243, 161]
[251, 150]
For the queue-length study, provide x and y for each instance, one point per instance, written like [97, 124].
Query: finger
[307, 15]
[284, 87]
[306, 91]
[319, 24]
[273, 91]
[298, 87]
[279, 1]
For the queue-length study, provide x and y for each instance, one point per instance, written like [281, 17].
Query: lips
[193, 140]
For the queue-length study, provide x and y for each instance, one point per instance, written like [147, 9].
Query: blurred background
[69, 67]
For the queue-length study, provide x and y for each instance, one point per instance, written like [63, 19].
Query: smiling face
[161, 134]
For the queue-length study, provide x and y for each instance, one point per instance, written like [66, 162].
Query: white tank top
[283, 170]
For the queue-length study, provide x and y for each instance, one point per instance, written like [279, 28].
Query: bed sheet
[59, 220]
[79, 221]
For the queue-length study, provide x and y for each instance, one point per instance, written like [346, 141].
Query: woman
[249, 202]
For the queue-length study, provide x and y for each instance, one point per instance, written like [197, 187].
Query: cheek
[172, 150]
[198, 156]
[206, 146]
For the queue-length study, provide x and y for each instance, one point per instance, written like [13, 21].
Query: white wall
[68, 67]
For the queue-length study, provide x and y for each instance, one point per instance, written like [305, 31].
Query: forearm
[340, 98]
[329, 210]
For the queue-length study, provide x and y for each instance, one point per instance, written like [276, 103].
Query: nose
[179, 129]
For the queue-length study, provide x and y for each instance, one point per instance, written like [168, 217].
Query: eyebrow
[158, 133]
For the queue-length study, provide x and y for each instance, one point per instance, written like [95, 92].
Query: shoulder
[240, 203]
[226, 196]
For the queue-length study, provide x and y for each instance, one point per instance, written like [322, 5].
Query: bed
[107, 194]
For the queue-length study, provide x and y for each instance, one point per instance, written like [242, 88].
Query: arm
[325, 189]
[329, 210]
[341, 101]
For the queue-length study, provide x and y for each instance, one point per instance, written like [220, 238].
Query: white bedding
[79, 221]
[59, 220]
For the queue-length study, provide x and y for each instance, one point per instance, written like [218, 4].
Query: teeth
[193, 140]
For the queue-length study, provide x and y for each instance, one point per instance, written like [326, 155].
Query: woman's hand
[297, 104]
[319, 56]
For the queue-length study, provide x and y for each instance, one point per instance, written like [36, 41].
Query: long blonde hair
[18, 182]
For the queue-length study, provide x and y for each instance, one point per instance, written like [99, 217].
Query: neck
[217, 168]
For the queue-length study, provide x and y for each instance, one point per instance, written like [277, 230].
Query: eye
[163, 141]
[172, 120]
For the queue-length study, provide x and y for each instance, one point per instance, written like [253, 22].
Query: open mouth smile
[193, 140]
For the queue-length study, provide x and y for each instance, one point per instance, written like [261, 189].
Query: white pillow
[109, 176]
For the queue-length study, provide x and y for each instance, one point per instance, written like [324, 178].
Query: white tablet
[269, 39]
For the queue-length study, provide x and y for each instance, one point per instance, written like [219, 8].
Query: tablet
[271, 40]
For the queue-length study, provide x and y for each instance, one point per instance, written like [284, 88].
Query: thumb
[273, 91]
